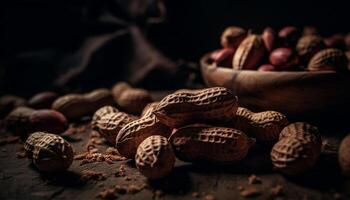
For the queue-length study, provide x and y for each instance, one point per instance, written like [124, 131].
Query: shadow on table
[178, 182]
[63, 178]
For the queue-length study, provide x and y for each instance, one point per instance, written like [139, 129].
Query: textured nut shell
[328, 59]
[18, 121]
[292, 156]
[110, 124]
[148, 110]
[52, 153]
[100, 113]
[212, 105]
[72, 106]
[48, 120]
[155, 158]
[344, 156]
[304, 132]
[309, 45]
[249, 53]
[42, 100]
[31, 141]
[118, 89]
[214, 144]
[134, 100]
[232, 37]
[133, 133]
[264, 126]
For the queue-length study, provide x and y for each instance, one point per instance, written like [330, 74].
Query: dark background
[42, 41]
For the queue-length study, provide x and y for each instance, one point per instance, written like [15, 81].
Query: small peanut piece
[328, 60]
[297, 150]
[213, 144]
[249, 53]
[155, 158]
[75, 106]
[344, 156]
[133, 133]
[49, 152]
[264, 126]
[108, 121]
[212, 105]
[23, 121]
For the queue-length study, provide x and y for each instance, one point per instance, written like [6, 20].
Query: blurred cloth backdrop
[79, 45]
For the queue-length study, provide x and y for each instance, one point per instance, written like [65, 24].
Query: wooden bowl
[313, 96]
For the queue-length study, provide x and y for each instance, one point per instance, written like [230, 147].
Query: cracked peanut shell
[249, 53]
[155, 158]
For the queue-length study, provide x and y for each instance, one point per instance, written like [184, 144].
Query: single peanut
[110, 124]
[328, 60]
[298, 148]
[49, 152]
[18, 122]
[214, 144]
[249, 53]
[264, 126]
[75, 106]
[134, 100]
[155, 158]
[118, 89]
[100, 113]
[308, 46]
[212, 105]
[232, 37]
[42, 100]
[31, 141]
[133, 133]
[305, 132]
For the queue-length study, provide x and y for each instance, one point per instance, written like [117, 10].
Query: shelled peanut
[10, 102]
[49, 152]
[298, 148]
[42, 100]
[108, 121]
[289, 49]
[211, 105]
[344, 156]
[264, 126]
[129, 99]
[24, 120]
[200, 142]
[75, 106]
[154, 157]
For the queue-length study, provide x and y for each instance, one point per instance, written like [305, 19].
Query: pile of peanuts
[289, 49]
[202, 125]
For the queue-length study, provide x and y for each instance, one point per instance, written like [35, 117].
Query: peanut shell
[249, 53]
[133, 133]
[328, 60]
[211, 105]
[155, 158]
[213, 144]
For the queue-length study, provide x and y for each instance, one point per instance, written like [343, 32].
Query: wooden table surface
[20, 180]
